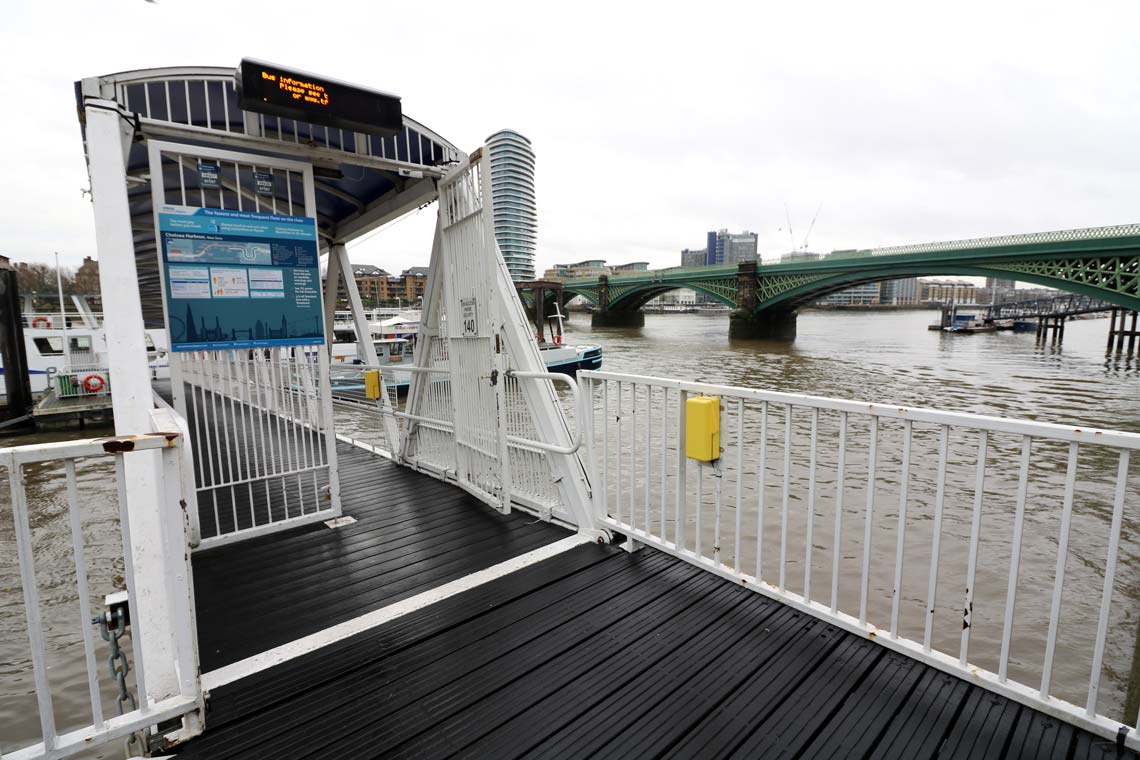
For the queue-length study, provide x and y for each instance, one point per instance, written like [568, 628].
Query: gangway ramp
[412, 533]
[601, 653]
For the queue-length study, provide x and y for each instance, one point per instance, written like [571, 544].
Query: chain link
[112, 626]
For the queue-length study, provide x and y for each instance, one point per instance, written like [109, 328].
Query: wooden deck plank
[412, 533]
[597, 652]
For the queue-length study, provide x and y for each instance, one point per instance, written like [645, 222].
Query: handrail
[893, 411]
[577, 438]
[88, 447]
[168, 624]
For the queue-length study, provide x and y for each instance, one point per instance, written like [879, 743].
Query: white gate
[481, 409]
[265, 444]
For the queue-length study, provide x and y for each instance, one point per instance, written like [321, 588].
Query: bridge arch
[794, 293]
[638, 296]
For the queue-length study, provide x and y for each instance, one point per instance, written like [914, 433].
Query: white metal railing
[264, 441]
[876, 517]
[82, 376]
[27, 466]
[1032, 238]
[359, 420]
[56, 320]
[362, 422]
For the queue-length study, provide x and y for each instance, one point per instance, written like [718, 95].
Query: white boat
[394, 342]
[67, 352]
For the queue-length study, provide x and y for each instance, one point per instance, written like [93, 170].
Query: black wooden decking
[600, 653]
[413, 533]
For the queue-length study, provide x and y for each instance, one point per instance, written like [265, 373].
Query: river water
[885, 358]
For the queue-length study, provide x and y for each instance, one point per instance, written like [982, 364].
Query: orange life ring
[44, 320]
[93, 383]
[558, 340]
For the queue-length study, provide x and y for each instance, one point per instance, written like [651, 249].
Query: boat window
[49, 346]
[149, 341]
[81, 343]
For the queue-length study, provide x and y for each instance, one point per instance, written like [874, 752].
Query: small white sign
[470, 316]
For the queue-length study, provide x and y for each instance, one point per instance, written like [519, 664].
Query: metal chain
[112, 626]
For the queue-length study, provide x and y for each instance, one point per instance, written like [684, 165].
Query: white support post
[429, 329]
[339, 253]
[332, 280]
[109, 137]
[366, 350]
[85, 312]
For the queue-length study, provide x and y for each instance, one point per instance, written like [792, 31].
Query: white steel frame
[466, 263]
[177, 589]
[236, 384]
[620, 516]
[109, 134]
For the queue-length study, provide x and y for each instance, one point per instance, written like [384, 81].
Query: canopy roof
[361, 181]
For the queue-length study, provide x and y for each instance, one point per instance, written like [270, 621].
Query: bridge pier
[767, 325]
[618, 318]
[604, 316]
[1117, 333]
[746, 323]
[1051, 325]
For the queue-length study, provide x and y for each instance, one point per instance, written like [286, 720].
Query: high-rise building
[512, 193]
[731, 248]
[900, 292]
[947, 290]
[691, 257]
[997, 284]
[867, 294]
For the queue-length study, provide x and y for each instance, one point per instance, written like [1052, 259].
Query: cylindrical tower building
[512, 193]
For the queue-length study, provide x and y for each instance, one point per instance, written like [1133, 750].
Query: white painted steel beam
[108, 135]
[385, 209]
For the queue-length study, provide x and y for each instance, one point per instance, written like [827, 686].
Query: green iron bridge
[1103, 262]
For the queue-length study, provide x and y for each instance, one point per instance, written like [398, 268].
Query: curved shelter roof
[361, 180]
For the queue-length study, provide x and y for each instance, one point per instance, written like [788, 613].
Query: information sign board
[238, 279]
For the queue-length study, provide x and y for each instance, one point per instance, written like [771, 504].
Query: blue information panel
[237, 279]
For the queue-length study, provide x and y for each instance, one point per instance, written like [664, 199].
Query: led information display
[270, 89]
[236, 279]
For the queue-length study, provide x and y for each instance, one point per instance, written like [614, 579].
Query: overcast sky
[908, 122]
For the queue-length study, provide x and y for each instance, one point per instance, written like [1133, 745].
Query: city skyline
[1050, 148]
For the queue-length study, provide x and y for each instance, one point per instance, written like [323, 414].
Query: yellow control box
[702, 428]
[372, 383]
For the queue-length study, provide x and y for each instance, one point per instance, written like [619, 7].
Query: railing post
[177, 505]
[597, 488]
[109, 135]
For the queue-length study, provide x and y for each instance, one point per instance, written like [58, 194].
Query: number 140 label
[470, 316]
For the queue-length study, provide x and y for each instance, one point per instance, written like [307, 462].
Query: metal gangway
[1064, 305]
